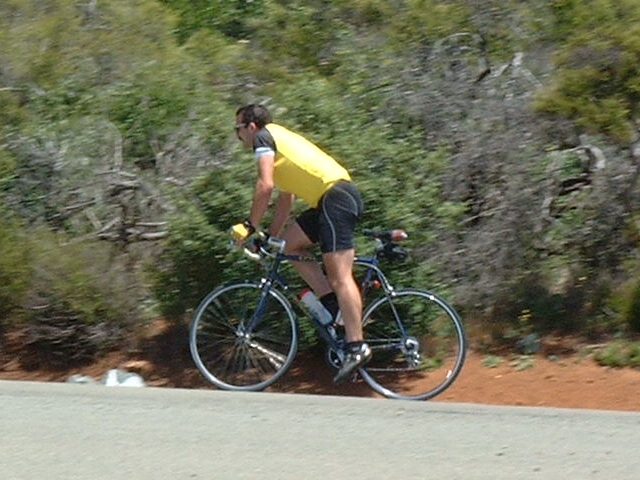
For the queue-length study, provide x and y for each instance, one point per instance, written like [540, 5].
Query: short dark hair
[255, 113]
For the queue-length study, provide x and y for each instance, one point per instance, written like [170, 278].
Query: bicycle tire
[418, 344]
[233, 358]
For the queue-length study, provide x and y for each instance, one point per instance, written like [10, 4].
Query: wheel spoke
[276, 359]
[418, 345]
[229, 356]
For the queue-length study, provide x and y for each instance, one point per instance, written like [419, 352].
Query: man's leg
[339, 266]
[297, 243]
[339, 278]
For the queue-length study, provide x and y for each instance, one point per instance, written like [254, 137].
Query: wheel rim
[419, 359]
[227, 353]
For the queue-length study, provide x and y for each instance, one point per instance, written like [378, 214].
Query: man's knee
[341, 283]
[295, 239]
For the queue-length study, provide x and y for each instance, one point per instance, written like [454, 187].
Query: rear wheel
[418, 345]
[242, 338]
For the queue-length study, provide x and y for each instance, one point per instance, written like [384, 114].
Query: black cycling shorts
[332, 223]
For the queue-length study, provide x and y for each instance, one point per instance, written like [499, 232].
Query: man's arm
[281, 213]
[263, 189]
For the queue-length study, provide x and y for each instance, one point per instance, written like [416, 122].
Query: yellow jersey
[300, 166]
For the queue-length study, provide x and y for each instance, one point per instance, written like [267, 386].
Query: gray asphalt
[58, 431]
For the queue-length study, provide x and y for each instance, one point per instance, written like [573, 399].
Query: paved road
[67, 432]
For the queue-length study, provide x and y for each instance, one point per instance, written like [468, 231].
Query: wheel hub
[411, 350]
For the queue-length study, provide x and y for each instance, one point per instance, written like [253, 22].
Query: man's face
[244, 132]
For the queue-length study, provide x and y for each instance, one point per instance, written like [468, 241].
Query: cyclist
[298, 168]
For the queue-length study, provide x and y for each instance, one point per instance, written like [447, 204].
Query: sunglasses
[239, 126]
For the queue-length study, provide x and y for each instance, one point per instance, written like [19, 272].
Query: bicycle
[244, 335]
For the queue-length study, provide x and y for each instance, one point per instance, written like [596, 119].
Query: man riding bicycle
[298, 168]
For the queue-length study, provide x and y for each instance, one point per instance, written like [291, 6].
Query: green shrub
[620, 353]
[196, 255]
[622, 304]
[80, 301]
[632, 311]
[190, 264]
[15, 267]
[597, 80]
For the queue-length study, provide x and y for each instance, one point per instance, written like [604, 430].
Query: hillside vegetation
[502, 135]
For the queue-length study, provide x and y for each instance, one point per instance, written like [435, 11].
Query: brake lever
[256, 251]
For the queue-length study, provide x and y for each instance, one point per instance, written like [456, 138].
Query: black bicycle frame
[273, 276]
[372, 265]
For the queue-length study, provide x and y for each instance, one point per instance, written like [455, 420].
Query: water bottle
[315, 306]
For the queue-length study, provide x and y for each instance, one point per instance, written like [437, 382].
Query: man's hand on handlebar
[252, 242]
[258, 241]
[241, 231]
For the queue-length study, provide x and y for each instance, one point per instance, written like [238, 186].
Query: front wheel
[243, 337]
[418, 345]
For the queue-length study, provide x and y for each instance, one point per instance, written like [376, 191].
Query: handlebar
[263, 245]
